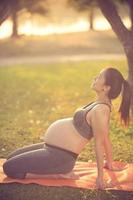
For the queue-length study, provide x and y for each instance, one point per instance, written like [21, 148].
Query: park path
[10, 61]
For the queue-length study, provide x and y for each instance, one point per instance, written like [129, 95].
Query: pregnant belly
[63, 134]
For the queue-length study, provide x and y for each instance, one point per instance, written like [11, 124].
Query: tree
[11, 8]
[4, 11]
[124, 34]
[83, 5]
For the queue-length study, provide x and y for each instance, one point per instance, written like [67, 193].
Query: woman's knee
[7, 168]
[11, 172]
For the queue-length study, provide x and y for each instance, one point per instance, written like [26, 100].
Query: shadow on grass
[15, 191]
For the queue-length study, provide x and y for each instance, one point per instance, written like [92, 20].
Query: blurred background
[50, 50]
[63, 29]
[49, 17]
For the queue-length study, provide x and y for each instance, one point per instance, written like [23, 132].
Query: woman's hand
[107, 166]
[100, 184]
[111, 167]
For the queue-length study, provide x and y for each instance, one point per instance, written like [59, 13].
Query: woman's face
[98, 83]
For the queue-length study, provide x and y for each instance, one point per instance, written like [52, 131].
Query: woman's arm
[108, 152]
[100, 125]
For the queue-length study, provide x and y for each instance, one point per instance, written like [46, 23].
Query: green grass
[32, 97]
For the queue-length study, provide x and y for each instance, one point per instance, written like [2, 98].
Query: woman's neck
[103, 99]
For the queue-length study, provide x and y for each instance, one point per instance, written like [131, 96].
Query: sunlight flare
[30, 28]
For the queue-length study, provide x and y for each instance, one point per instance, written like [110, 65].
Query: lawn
[32, 97]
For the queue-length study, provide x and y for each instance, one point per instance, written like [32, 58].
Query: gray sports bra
[80, 122]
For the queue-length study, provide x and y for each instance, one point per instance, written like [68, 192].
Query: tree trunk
[91, 18]
[4, 14]
[129, 54]
[109, 10]
[4, 11]
[14, 24]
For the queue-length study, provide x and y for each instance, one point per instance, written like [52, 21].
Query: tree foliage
[109, 9]
[82, 5]
[7, 7]
[4, 11]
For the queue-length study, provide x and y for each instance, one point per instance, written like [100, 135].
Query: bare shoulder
[100, 112]
[100, 118]
[101, 109]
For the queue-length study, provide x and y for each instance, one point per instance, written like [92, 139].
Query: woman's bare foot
[69, 175]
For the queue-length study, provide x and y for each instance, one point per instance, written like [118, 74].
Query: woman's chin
[93, 88]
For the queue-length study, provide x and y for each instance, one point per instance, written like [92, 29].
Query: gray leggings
[39, 158]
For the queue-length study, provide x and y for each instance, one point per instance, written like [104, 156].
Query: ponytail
[124, 109]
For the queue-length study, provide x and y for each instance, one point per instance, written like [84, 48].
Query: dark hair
[118, 85]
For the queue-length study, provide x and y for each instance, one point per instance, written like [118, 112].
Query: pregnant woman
[65, 138]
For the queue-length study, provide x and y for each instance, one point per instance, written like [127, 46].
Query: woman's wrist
[100, 174]
[100, 177]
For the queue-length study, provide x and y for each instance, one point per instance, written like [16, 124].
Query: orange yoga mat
[84, 176]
